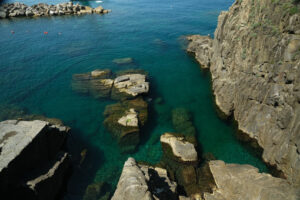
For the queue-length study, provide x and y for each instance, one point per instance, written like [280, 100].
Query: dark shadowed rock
[31, 153]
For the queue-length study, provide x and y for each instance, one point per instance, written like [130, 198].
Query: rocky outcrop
[183, 150]
[234, 181]
[103, 83]
[129, 86]
[254, 61]
[124, 120]
[21, 10]
[141, 182]
[33, 164]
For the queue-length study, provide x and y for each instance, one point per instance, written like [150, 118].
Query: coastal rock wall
[254, 61]
[17, 9]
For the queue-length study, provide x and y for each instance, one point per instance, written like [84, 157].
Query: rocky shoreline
[17, 9]
[254, 63]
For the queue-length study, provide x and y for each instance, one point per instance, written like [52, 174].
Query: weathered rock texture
[33, 164]
[254, 61]
[235, 182]
[21, 10]
[141, 182]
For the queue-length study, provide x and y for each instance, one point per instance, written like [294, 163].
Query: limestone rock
[143, 182]
[201, 46]
[99, 10]
[181, 148]
[130, 119]
[255, 72]
[234, 182]
[31, 153]
[129, 85]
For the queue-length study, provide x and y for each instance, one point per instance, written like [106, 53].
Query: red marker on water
[45, 32]
[12, 32]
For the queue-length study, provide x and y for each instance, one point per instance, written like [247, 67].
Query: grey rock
[234, 182]
[136, 183]
[31, 153]
[255, 71]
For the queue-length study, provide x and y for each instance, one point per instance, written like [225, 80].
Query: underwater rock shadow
[86, 160]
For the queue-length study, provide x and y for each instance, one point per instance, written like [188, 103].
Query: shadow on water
[86, 160]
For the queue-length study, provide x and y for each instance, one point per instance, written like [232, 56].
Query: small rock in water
[123, 61]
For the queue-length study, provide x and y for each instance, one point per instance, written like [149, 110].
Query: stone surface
[141, 182]
[255, 68]
[202, 48]
[31, 153]
[20, 10]
[130, 119]
[182, 149]
[129, 85]
[234, 182]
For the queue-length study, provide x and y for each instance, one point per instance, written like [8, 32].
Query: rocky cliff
[254, 60]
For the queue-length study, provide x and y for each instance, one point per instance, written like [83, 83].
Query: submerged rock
[97, 83]
[234, 181]
[123, 61]
[32, 153]
[96, 191]
[182, 150]
[141, 182]
[124, 121]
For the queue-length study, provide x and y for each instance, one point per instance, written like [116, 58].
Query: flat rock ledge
[234, 181]
[17, 9]
[141, 182]
[33, 163]
[181, 148]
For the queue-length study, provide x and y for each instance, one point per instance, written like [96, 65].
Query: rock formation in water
[125, 118]
[33, 163]
[17, 9]
[254, 60]
[142, 182]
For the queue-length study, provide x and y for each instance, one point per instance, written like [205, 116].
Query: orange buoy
[45, 32]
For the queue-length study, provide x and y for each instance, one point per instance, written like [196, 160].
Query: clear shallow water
[36, 72]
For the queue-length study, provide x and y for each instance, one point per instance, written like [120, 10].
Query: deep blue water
[36, 71]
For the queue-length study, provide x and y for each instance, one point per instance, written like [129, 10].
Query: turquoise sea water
[36, 71]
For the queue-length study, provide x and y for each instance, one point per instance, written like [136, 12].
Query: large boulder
[234, 182]
[141, 182]
[181, 149]
[32, 153]
[124, 120]
[129, 86]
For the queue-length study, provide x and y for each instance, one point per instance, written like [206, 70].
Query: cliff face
[254, 60]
